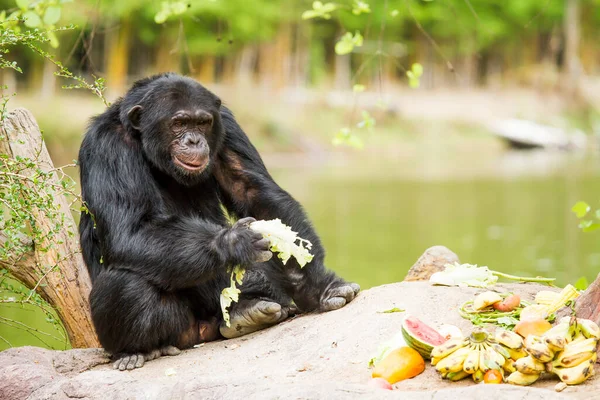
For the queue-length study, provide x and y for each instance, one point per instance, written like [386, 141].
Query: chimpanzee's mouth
[195, 166]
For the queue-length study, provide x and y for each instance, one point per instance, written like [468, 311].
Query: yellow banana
[575, 353]
[484, 360]
[435, 360]
[496, 357]
[519, 378]
[448, 347]
[478, 375]
[509, 339]
[457, 376]
[515, 354]
[485, 299]
[509, 365]
[576, 375]
[538, 348]
[454, 362]
[501, 349]
[589, 328]
[556, 343]
[529, 365]
[471, 363]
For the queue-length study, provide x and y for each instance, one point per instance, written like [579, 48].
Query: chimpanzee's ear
[134, 115]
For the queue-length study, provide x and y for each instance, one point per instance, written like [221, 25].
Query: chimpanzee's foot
[252, 315]
[338, 296]
[131, 361]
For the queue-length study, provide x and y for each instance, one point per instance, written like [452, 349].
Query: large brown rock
[430, 262]
[319, 356]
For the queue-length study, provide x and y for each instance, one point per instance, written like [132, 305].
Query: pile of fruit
[567, 350]
[477, 354]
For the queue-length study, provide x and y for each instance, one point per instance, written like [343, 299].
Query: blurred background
[466, 123]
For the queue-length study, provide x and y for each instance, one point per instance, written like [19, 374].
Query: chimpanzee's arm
[249, 191]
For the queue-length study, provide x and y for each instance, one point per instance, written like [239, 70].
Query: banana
[501, 349]
[576, 375]
[484, 361]
[496, 357]
[478, 376]
[485, 299]
[529, 365]
[448, 347]
[457, 376]
[519, 378]
[509, 365]
[471, 363]
[589, 328]
[556, 343]
[454, 362]
[538, 348]
[509, 339]
[516, 354]
[575, 353]
[435, 360]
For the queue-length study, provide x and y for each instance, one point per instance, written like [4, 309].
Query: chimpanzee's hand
[244, 246]
[338, 295]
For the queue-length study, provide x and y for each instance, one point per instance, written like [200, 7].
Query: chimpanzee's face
[180, 128]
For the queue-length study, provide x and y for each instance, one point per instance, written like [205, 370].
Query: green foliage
[169, 9]
[347, 43]
[345, 137]
[414, 75]
[320, 10]
[582, 210]
[37, 14]
[582, 283]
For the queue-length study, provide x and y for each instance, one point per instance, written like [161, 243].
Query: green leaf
[360, 7]
[582, 283]
[161, 16]
[179, 7]
[391, 310]
[53, 39]
[32, 20]
[581, 208]
[597, 214]
[593, 226]
[417, 69]
[347, 43]
[308, 14]
[23, 4]
[358, 88]
[394, 13]
[52, 15]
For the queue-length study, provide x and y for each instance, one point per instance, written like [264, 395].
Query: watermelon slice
[420, 336]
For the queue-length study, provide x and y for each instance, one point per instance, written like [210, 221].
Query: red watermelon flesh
[425, 333]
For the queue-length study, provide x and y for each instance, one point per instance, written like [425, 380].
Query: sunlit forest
[381, 117]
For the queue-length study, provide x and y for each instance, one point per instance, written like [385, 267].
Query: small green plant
[27, 191]
[583, 211]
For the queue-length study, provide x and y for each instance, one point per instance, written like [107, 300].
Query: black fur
[155, 240]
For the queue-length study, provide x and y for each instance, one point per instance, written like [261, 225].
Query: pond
[378, 211]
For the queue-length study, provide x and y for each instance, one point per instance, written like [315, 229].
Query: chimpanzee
[159, 170]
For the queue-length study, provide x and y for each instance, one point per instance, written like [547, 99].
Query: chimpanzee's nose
[192, 140]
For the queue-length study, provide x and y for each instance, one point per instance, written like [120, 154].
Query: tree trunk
[117, 57]
[68, 285]
[572, 38]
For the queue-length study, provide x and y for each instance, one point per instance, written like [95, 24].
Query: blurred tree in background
[458, 42]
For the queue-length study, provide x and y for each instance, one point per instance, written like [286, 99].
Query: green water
[376, 215]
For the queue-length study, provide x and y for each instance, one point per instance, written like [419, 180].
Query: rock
[316, 356]
[432, 261]
[588, 304]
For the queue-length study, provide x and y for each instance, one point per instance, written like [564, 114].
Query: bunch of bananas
[567, 350]
[475, 355]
